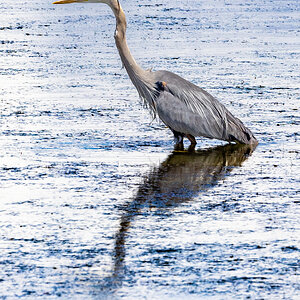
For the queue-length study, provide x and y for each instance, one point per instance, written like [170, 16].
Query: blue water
[94, 203]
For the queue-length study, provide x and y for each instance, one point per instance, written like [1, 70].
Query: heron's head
[111, 3]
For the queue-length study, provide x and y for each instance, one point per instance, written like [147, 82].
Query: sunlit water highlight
[93, 202]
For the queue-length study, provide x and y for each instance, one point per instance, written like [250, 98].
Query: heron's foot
[179, 146]
[178, 139]
[191, 148]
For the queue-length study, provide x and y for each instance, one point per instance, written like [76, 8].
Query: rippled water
[93, 201]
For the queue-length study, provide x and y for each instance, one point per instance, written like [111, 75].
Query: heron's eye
[160, 85]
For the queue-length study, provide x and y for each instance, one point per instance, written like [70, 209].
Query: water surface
[95, 204]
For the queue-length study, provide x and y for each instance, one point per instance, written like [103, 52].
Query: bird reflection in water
[180, 178]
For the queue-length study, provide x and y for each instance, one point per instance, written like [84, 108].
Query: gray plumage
[188, 109]
[185, 108]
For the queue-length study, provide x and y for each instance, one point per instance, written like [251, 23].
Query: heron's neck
[132, 68]
[142, 79]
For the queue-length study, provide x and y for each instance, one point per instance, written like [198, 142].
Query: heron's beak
[68, 1]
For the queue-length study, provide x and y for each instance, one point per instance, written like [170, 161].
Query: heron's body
[185, 108]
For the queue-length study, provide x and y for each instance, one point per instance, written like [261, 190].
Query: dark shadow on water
[180, 178]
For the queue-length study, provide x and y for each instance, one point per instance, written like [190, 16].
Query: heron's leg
[191, 139]
[179, 146]
[178, 138]
[191, 148]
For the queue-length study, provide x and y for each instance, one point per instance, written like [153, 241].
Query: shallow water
[94, 202]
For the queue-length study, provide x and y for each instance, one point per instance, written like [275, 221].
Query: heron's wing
[176, 115]
[197, 99]
[219, 122]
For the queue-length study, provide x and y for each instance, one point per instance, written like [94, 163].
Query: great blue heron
[185, 108]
